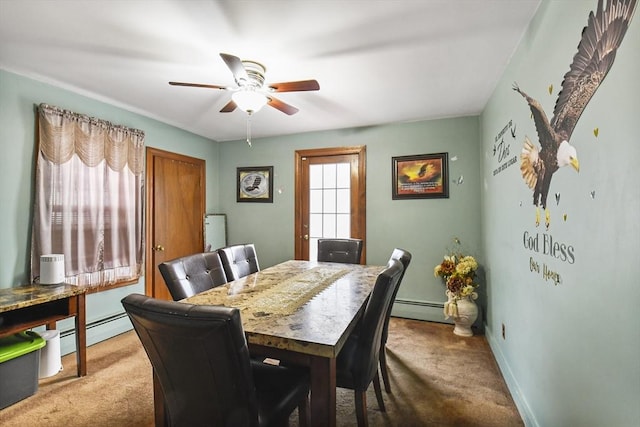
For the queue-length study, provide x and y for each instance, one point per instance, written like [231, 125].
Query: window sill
[92, 289]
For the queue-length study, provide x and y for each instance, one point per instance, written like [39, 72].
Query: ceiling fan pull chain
[249, 129]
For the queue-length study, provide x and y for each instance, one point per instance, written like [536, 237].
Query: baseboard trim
[512, 384]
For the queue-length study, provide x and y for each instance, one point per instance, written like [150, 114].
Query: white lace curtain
[88, 198]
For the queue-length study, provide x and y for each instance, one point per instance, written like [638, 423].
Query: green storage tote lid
[14, 346]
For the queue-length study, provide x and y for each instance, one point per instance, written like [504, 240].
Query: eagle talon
[547, 218]
[537, 217]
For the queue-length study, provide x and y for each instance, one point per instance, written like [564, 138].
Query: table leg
[323, 391]
[81, 335]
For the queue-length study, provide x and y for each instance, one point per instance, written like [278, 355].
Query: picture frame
[255, 184]
[422, 176]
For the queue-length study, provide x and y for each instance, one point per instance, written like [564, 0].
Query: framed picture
[423, 176]
[255, 184]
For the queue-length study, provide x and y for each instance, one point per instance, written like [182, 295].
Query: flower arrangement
[458, 272]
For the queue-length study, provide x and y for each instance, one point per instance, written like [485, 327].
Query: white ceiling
[377, 62]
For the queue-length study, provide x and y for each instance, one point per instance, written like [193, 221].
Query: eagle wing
[596, 51]
[546, 134]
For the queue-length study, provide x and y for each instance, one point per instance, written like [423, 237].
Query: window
[89, 198]
[329, 203]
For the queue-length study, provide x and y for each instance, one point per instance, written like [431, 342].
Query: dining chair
[346, 251]
[357, 362]
[239, 260]
[405, 258]
[192, 274]
[201, 360]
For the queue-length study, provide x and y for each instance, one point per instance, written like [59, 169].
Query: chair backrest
[346, 251]
[369, 329]
[193, 274]
[239, 260]
[405, 258]
[201, 359]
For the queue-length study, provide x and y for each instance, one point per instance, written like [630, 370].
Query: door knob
[158, 248]
[305, 237]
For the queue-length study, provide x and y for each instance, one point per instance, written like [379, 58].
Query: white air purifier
[50, 359]
[51, 269]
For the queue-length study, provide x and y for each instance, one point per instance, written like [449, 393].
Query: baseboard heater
[419, 310]
[420, 303]
[95, 324]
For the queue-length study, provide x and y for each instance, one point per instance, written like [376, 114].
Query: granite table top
[303, 306]
[29, 295]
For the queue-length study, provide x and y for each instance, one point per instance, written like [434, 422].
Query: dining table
[297, 312]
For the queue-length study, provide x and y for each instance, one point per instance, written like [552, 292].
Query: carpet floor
[437, 379]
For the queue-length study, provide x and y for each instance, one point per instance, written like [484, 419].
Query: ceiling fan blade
[231, 106]
[282, 106]
[302, 85]
[197, 85]
[235, 65]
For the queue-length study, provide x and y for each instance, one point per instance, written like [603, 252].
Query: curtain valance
[65, 133]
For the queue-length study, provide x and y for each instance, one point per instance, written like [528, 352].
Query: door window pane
[343, 201]
[329, 176]
[343, 175]
[313, 249]
[315, 201]
[315, 225]
[329, 202]
[343, 226]
[315, 176]
[328, 225]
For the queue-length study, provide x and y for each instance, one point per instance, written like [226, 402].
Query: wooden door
[315, 183]
[175, 213]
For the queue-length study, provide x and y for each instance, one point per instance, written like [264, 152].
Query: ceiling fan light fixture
[249, 100]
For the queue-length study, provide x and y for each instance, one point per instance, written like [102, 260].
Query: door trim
[150, 154]
[360, 219]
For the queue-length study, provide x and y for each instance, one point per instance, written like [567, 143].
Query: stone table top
[29, 295]
[303, 306]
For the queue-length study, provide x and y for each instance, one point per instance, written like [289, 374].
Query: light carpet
[437, 379]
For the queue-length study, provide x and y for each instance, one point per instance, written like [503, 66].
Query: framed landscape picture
[422, 176]
[255, 184]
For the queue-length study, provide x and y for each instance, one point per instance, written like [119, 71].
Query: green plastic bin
[19, 365]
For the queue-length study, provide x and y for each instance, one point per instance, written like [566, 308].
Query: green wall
[571, 353]
[424, 227]
[19, 97]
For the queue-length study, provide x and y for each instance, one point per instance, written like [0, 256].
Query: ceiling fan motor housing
[255, 73]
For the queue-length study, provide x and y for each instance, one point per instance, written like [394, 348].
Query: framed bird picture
[423, 176]
[255, 184]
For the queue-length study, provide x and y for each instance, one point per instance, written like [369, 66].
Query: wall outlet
[504, 336]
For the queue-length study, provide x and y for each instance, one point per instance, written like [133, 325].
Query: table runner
[289, 295]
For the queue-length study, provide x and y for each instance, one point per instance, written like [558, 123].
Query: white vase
[464, 313]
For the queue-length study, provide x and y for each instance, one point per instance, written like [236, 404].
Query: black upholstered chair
[357, 362]
[201, 360]
[405, 258]
[193, 274]
[346, 251]
[239, 260]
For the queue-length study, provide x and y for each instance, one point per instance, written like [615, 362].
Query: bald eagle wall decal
[596, 51]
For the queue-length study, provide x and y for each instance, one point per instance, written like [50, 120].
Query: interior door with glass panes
[329, 197]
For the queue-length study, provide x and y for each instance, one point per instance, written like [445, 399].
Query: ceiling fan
[251, 93]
